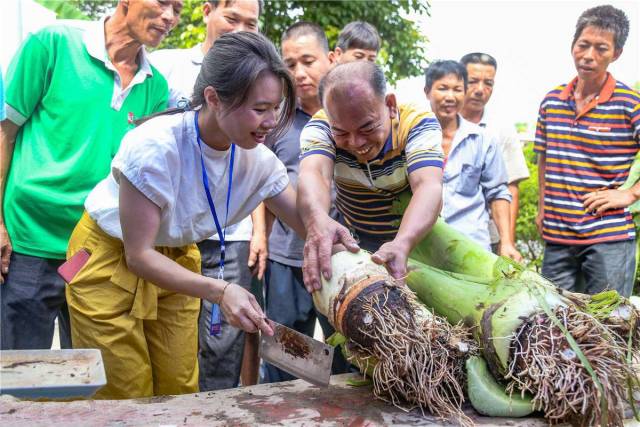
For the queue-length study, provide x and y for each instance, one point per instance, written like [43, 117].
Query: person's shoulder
[320, 115]
[57, 33]
[414, 114]
[161, 134]
[318, 122]
[260, 155]
[493, 125]
[169, 58]
[165, 124]
[158, 78]
[416, 121]
[164, 54]
[622, 92]
[554, 93]
[260, 150]
[553, 97]
[61, 30]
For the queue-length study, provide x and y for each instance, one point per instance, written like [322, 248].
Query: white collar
[486, 119]
[465, 129]
[195, 54]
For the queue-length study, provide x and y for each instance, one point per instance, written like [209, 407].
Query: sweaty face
[151, 20]
[248, 125]
[592, 53]
[307, 63]
[351, 55]
[360, 121]
[480, 87]
[446, 97]
[230, 16]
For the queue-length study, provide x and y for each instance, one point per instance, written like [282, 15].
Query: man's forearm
[8, 132]
[259, 219]
[500, 215]
[514, 207]
[314, 196]
[269, 219]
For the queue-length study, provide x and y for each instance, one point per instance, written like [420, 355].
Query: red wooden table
[294, 403]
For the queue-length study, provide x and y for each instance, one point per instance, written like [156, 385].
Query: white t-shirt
[180, 67]
[511, 149]
[161, 158]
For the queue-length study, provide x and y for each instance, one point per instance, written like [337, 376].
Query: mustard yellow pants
[148, 336]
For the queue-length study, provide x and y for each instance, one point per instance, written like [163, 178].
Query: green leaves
[80, 9]
[191, 29]
[530, 243]
[403, 47]
[64, 9]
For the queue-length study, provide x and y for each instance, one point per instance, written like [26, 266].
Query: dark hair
[359, 35]
[351, 72]
[216, 3]
[479, 58]
[439, 69]
[304, 28]
[232, 66]
[606, 18]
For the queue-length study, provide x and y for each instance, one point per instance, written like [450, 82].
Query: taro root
[572, 353]
[537, 341]
[418, 359]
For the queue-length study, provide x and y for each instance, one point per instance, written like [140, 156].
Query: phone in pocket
[73, 265]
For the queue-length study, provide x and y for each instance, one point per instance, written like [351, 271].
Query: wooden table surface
[293, 403]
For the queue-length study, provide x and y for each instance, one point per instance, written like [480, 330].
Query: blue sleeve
[494, 173]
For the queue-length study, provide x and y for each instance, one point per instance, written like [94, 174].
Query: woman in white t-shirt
[136, 298]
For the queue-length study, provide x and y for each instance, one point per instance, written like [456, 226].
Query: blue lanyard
[215, 324]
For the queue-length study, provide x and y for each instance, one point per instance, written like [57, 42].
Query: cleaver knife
[297, 354]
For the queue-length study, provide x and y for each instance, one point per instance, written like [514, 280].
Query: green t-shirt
[72, 120]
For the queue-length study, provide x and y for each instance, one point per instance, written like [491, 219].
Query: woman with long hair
[177, 179]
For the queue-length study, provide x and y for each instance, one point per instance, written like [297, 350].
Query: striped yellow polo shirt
[365, 191]
[585, 152]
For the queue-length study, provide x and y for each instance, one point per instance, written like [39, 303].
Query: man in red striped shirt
[587, 136]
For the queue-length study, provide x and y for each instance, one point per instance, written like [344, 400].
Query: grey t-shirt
[285, 246]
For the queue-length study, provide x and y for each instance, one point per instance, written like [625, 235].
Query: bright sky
[531, 41]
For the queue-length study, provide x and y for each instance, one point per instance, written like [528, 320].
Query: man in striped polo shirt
[373, 149]
[587, 135]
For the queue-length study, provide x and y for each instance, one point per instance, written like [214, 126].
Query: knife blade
[297, 354]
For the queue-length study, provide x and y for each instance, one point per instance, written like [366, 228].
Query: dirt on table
[292, 404]
[19, 372]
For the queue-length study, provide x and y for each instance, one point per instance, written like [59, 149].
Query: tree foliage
[79, 9]
[529, 241]
[403, 48]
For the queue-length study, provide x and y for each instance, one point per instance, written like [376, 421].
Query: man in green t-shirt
[71, 95]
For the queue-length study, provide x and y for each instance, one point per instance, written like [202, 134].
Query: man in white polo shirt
[220, 356]
[481, 69]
